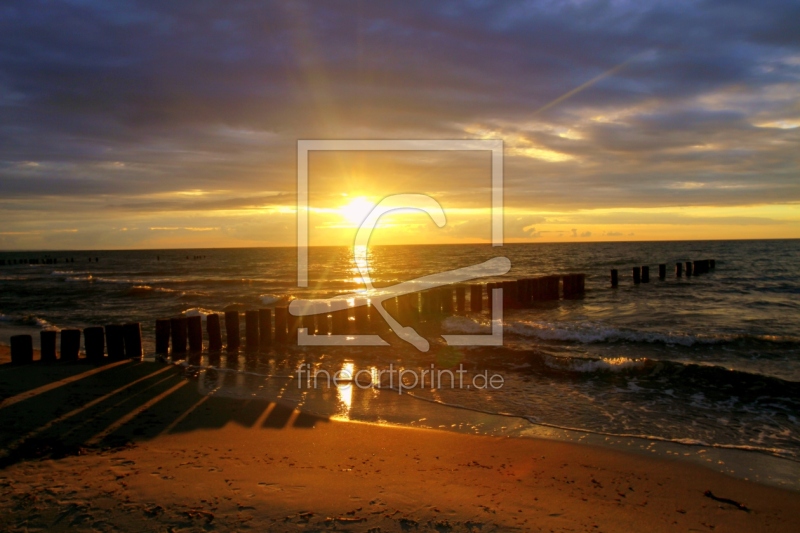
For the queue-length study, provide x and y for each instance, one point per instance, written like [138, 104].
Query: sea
[705, 368]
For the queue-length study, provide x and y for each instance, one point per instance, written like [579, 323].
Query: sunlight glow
[357, 210]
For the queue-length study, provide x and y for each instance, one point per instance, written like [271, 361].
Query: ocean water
[712, 360]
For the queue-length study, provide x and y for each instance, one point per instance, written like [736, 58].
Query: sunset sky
[175, 124]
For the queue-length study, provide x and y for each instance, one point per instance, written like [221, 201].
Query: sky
[158, 124]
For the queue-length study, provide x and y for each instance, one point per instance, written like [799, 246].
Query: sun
[357, 210]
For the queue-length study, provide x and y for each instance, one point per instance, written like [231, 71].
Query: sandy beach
[132, 446]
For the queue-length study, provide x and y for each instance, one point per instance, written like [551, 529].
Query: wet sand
[132, 446]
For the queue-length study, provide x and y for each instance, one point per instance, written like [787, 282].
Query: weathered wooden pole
[21, 349]
[678, 270]
[662, 271]
[295, 323]
[47, 341]
[339, 322]
[362, 318]
[614, 278]
[178, 330]
[162, 335]
[712, 263]
[70, 344]
[251, 341]
[281, 323]
[688, 269]
[476, 298]
[94, 343]
[446, 298]
[461, 299]
[489, 301]
[309, 323]
[510, 295]
[553, 288]
[132, 332]
[232, 333]
[637, 275]
[214, 333]
[115, 342]
[195, 327]
[264, 328]
[645, 274]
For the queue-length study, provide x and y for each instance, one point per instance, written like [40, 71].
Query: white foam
[614, 364]
[589, 333]
[199, 311]
[268, 299]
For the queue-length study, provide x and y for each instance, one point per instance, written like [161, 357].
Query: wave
[592, 333]
[269, 299]
[199, 311]
[83, 277]
[777, 452]
[148, 290]
[613, 364]
[26, 320]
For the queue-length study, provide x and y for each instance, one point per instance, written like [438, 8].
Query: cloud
[612, 105]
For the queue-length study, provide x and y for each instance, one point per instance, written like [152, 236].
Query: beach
[133, 446]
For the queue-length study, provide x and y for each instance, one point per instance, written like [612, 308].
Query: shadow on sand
[54, 410]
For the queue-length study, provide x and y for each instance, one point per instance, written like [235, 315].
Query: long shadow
[119, 405]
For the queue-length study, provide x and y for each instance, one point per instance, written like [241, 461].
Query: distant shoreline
[482, 243]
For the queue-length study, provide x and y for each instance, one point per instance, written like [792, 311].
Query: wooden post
[115, 341]
[21, 349]
[264, 328]
[362, 318]
[678, 270]
[94, 343]
[567, 282]
[214, 333]
[133, 340]
[476, 298]
[446, 298]
[461, 299]
[178, 329]
[662, 271]
[712, 263]
[509, 294]
[688, 269]
[645, 274]
[251, 341]
[47, 339]
[232, 333]
[281, 323]
[162, 335]
[70, 344]
[637, 275]
[195, 327]
[294, 324]
[523, 290]
[309, 323]
[489, 300]
[614, 278]
[339, 322]
[552, 283]
[536, 289]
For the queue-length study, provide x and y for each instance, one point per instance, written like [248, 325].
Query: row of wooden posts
[642, 274]
[120, 341]
[265, 327]
[36, 261]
